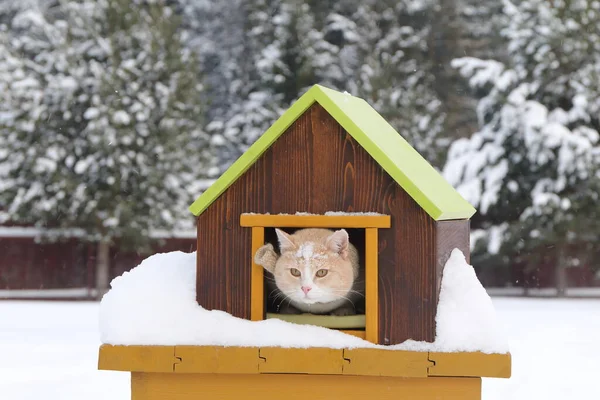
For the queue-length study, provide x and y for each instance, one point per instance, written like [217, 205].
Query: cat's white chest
[318, 308]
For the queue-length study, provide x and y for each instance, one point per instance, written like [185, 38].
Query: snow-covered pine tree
[532, 168]
[397, 75]
[215, 30]
[337, 32]
[274, 70]
[103, 130]
[251, 107]
[461, 28]
[375, 49]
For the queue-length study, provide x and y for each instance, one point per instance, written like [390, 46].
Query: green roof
[398, 158]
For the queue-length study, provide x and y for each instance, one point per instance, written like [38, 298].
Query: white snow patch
[91, 113]
[328, 213]
[466, 319]
[306, 251]
[71, 293]
[353, 213]
[155, 304]
[121, 118]
[35, 232]
[40, 331]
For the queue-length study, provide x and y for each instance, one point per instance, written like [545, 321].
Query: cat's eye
[295, 272]
[321, 273]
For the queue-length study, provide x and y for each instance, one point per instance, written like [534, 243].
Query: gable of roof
[390, 150]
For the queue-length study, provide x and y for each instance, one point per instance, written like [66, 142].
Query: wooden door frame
[369, 222]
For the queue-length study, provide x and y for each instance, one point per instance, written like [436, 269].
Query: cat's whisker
[357, 292]
[288, 298]
[277, 295]
[349, 301]
[347, 291]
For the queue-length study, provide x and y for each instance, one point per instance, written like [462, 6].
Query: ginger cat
[317, 272]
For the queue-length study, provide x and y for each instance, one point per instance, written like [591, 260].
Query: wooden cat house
[330, 161]
[331, 153]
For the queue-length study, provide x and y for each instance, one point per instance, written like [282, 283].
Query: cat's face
[315, 268]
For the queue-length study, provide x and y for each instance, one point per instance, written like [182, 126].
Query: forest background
[114, 114]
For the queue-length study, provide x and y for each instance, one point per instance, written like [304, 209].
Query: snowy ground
[49, 350]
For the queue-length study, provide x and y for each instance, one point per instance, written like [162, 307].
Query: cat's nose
[306, 289]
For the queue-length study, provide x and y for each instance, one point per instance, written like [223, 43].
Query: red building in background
[67, 269]
[30, 269]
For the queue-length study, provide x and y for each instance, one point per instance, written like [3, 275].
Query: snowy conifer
[397, 76]
[535, 159]
[103, 128]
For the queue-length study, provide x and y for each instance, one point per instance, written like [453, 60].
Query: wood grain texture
[377, 362]
[470, 365]
[315, 167]
[137, 358]
[216, 360]
[450, 235]
[148, 386]
[319, 361]
[265, 360]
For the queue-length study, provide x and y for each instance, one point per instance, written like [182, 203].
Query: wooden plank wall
[315, 166]
[450, 235]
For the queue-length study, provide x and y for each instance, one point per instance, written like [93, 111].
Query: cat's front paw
[343, 311]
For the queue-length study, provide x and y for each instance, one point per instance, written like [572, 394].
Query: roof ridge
[373, 133]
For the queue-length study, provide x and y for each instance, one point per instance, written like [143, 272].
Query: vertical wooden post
[257, 292]
[371, 286]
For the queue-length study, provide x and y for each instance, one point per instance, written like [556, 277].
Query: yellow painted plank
[250, 360]
[257, 292]
[380, 362]
[217, 360]
[470, 364]
[371, 286]
[301, 361]
[359, 334]
[137, 358]
[315, 221]
[145, 386]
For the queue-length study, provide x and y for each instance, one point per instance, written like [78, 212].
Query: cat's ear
[338, 242]
[286, 243]
[266, 257]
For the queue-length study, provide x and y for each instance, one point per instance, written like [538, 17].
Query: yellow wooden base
[475, 364]
[161, 386]
[316, 361]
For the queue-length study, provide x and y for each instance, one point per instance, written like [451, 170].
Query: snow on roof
[155, 304]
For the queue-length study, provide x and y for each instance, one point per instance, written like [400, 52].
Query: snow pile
[466, 319]
[155, 304]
